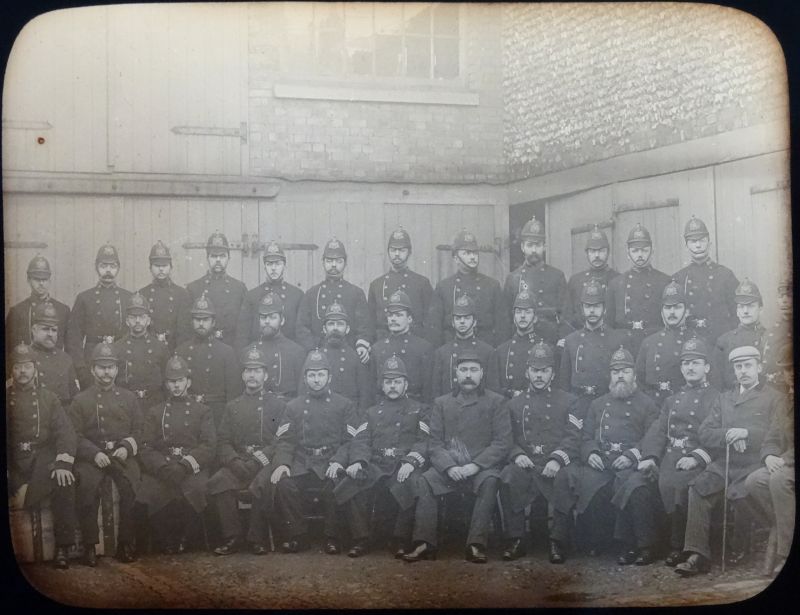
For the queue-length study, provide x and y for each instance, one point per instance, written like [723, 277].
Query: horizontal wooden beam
[587, 228]
[781, 185]
[622, 207]
[38, 245]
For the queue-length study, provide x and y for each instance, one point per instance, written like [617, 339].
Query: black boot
[60, 560]
[556, 555]
[422, 551]
[89, 557]
[125, 553]
[515, 550]
[695, 564]
[229, 547]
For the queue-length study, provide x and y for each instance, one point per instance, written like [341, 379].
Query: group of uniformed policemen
[620, 400]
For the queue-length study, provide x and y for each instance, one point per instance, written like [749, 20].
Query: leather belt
[252, 448]
[316, 452]
[176, 451]
[679, 442]
[613, 447]
[585, 389]
[109, 445]
[637, 325]
[538, 449]
[389, 452]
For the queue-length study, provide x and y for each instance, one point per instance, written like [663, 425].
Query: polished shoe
[174, 548]
[645, 557]
[125, 553]
[627, 558]
[400, 548]
[476, 554]
[734, 557]
[422, 551]
[694, 564]
[60, 560]
[89, 557]
[358, 549]
[515, 550]
[556, 555]
[229, 547]
[295, 545]
[258, 549]
[331, 547]
[674, 558]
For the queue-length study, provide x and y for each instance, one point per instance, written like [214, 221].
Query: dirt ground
[314, 580]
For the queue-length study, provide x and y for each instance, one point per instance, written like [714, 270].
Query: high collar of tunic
[165, 283]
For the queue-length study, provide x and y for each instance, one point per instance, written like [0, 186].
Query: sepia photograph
[398, 305]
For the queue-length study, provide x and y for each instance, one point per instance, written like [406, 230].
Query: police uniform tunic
[178, 430]
[634, 304]
[98, 315]
[19, 321]
[492, 316]
[169, 311]
[249, 330]
[141, 367]
[317, 300]
[508, 372]
[416, 353]
[350, 378]
[419, 291]
[777, 336]
[226, 294]
[214, 370]
[743, 335]
[658, 364]
[444, 363]
[547, 285]
[709, 289]
[56, 373]
[284, 365]
[575, 287]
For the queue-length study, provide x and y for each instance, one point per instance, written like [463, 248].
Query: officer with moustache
[20, 317]
[169, 303]
[671, 449]
[508, 372]
[400, 278]
[335, 289]
[545, 439]
[444, 357]
[245, 448]
[546, 284]
[142, 356]
[179, 444]
[778, 336]
[284, 357]
[492, 313]
[213, 365]
[54, 367]
[708, 286]
[597, 253]
[470, 441]
[416, 352]
[312, 450]
[41, 446]
[634, 297]
[226, 293]
[249, 328]
[98, 314]
[108, 424]
[384, 463]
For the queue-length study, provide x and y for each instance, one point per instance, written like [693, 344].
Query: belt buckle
[25, 446]
[389, 452]
[616, 447]
[108, 339]
[141, 393]
[538, 449]
[637, 325]
[176, 450]
[250, 448]
[109, 445]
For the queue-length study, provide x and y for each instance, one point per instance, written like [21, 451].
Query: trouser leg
[357, 510]
[560, 529]
[127, 501]
[514, 519]
[482, 512]
[258, 530]
[227, 508]
[333, 522]
[600, 516]
[64, 518]
[292, 504]
[782, 490]
[645, 517]
[698, 522]
[404, 524]
[426, 515]
[677, 528]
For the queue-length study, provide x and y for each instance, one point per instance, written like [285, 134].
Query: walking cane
[725, 504]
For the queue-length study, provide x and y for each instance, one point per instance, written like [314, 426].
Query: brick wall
[585, 83]
[373, 141]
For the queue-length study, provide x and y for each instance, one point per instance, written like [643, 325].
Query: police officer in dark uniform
[169, 302]
[41, 445]
[470, 441]
[108, 424]
[546, 284]
[492, 313]
[311, 452]
[738, 419]
[545, 439]
[416, 352]
[318, 298]
[400, 277]
[20, 316]
[249, 329]
[245, 448]
[749, 331]
[226, 293]
[142, 356]
[98, 314]
[349, 377]
[384, 460]
[778, 336]
[708, 286]
[671, 448]
[597, 253]
[444, 357]
[54, 368]
[284, 357]
[216, 376]
[587, 350]
[634, 297]
[179, 444]
[508, 373]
